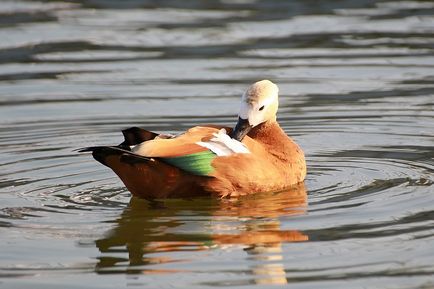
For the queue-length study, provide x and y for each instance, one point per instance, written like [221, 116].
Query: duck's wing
[144, 148]
[192, 151]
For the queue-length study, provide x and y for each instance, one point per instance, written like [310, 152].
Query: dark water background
[357, 93]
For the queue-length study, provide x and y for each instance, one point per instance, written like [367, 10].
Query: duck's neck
[266, 131]
[271, 135]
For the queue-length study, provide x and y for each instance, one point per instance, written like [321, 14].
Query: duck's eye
[262, 107]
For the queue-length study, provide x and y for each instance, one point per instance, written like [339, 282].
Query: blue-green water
[356, 85]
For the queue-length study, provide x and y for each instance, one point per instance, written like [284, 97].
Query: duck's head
[259, 104]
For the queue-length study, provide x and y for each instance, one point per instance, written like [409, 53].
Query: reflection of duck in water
[256, 156]
[154, 233]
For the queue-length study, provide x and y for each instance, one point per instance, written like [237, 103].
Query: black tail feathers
[135, 135]
[100, 153]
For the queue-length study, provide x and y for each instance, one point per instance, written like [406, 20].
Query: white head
[259, 104]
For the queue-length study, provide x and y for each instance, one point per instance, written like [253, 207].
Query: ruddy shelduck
[255, 156]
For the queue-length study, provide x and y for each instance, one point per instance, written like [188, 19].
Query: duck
[211, 160]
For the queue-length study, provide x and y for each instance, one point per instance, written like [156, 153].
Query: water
[357, 93]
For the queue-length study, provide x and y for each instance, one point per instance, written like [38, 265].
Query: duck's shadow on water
[150, 233]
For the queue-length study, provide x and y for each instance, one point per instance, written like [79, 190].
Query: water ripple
[356, 92]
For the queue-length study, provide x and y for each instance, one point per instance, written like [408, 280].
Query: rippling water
[357, 92]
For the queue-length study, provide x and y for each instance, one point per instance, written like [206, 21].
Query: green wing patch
[196, 164]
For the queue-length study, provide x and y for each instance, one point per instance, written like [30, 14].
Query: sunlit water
[356, 81]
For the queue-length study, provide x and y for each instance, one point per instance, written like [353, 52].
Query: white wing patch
[223, 145]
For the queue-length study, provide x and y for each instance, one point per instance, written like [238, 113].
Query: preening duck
[255, 156]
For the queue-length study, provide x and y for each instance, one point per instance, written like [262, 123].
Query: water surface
[356, 85]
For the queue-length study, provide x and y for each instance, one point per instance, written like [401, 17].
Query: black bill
[241, 129]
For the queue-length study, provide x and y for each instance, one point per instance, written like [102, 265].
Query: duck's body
[206, 161]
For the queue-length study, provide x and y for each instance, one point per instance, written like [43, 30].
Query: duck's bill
[241, 129]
